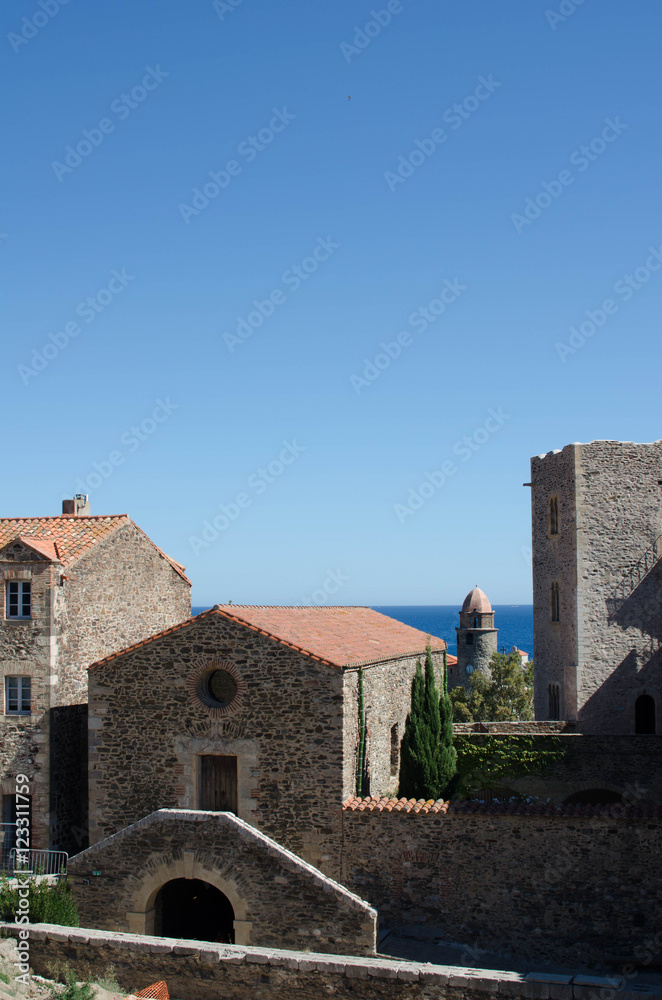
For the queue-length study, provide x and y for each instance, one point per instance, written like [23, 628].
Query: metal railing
[633, 577]
[38, 862]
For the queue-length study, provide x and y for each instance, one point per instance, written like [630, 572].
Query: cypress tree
[412, 749]
[447, 752]
[431, 732]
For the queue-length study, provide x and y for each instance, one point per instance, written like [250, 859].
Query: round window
[469, 669]
[218, 688]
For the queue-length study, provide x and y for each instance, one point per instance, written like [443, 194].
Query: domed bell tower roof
[478, 601]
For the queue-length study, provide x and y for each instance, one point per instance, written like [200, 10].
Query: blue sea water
[514, 622]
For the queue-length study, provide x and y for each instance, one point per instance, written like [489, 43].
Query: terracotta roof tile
[69, 537]
[423, 807]
[339, 637]
[343, 636]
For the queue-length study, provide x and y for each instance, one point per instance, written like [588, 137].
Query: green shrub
[71, 990]
[47, 904]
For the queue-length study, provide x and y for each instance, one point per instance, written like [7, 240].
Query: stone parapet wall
[198, 971]
[538, 882]
[628, 766]
[536, 728]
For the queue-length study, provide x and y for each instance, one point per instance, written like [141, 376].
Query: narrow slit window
[554, 516]
[556, 603]
[554, 696]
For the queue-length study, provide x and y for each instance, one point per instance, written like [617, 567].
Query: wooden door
[218, 783]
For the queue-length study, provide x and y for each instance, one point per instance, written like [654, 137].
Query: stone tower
[476, 638]
[597, 585]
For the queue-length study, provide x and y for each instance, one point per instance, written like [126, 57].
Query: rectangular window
[18, 600]
[17, 695]
[218, 783]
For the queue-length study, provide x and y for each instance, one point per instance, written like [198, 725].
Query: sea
[514, 622]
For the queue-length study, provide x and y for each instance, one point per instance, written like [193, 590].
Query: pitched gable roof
[68, 538]
[339, 637]
[344, 636]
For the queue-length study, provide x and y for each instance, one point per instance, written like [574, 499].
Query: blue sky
[348, 222]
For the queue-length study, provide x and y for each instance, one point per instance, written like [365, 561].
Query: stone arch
[140, 917]
[594, 793]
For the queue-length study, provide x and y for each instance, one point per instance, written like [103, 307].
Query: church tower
[476, 638]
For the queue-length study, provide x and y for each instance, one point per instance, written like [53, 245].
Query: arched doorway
[191, 908]
[644, 715]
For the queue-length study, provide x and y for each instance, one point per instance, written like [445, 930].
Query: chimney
[78, 507]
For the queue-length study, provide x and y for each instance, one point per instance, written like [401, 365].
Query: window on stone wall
[395, 751]
[18, 599]
[17, 695]
[554, 697]
[470, 639]
[554, 516]
[556, 603]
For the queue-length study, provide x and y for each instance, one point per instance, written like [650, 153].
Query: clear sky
[324, 227]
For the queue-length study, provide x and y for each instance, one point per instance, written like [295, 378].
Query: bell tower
[476, 638]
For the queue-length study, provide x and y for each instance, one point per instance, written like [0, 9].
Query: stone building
[75, 587]
[597, 579]
[476, 639]
[276, 714]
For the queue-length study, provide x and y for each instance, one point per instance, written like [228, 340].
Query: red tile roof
[416, 807]
[339, 637]
[343, 636]
[68, 538]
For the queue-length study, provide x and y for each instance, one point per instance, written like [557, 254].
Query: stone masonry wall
[148, 728]
[629, 766]
[387, 696]
[555, 653]
[552, 887]
[26, 650]
[619, 517]
[610, 508]
[278, 900]
[120, 592]
[198, 971]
